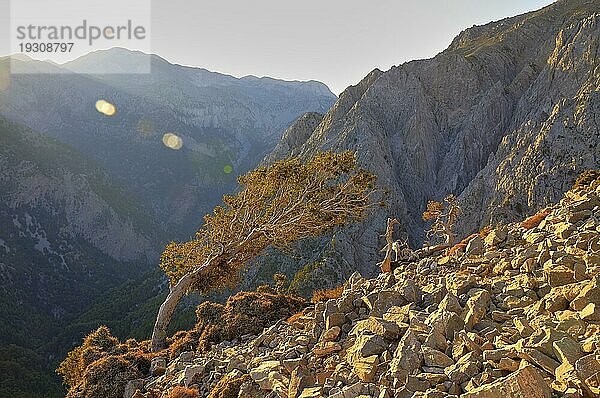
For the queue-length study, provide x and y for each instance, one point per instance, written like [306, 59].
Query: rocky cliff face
[506, 117]
[512, 312]
[68, 234]
[61, 214]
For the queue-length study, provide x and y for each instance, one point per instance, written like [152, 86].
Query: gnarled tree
[275, 206]
[443, 216]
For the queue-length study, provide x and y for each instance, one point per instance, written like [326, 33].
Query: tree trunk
[176, 292]
[166, 310]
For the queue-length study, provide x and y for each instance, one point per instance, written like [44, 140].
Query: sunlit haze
[336, 42]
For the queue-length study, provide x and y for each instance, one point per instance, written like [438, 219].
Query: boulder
[158, 366]
[527, 382]
[326, 348]
[365, 368]
[464, 369]
[332, 334]
[407, 357]
[264, 374]
[193, 374]
[495, 237]
[567, 350]
[367, 345]
[378, 326]
[435, 358]
[476, 307]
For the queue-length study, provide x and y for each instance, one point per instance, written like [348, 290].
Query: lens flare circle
[105, 107]
[172, 141]
[228, 169]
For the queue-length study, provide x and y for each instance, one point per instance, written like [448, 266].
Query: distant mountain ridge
[222, 120]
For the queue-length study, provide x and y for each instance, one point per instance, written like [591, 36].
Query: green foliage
[35, 283]
[281, 283]
[23, 375]
[304, 274]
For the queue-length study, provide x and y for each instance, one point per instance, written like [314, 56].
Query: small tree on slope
[443, 216]
[276, 205]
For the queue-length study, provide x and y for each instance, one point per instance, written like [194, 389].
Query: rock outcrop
[505, 118]
[516, 315]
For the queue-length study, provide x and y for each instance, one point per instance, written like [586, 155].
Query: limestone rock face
[504, 118]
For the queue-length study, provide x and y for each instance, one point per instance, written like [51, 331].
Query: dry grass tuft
[326, 294]
[535, 220]
[183, 392]
[228, 387]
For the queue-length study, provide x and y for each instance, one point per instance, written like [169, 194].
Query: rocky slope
[512, 312]
[505, 118]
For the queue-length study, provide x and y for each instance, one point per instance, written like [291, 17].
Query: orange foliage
[326, 294]
[466, 240]
[457, 248]
[183, 392]
[485, 231]
[243, 313]
[462, 245]
[294, 317]
[535, 220]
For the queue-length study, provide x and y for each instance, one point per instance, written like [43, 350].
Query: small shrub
[95, 346]
[443, 216]
[243, 313]
[102, 366]
[102, 339]
[535, 220]
[326, 294]
[183, 392]
[228, 387]
[184, 340]
[294, 317]
[485, 231]
[72, 368]
[106, 378]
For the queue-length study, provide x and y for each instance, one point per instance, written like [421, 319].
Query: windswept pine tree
[275, 206]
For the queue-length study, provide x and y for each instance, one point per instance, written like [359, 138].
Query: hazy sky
[335, 41]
